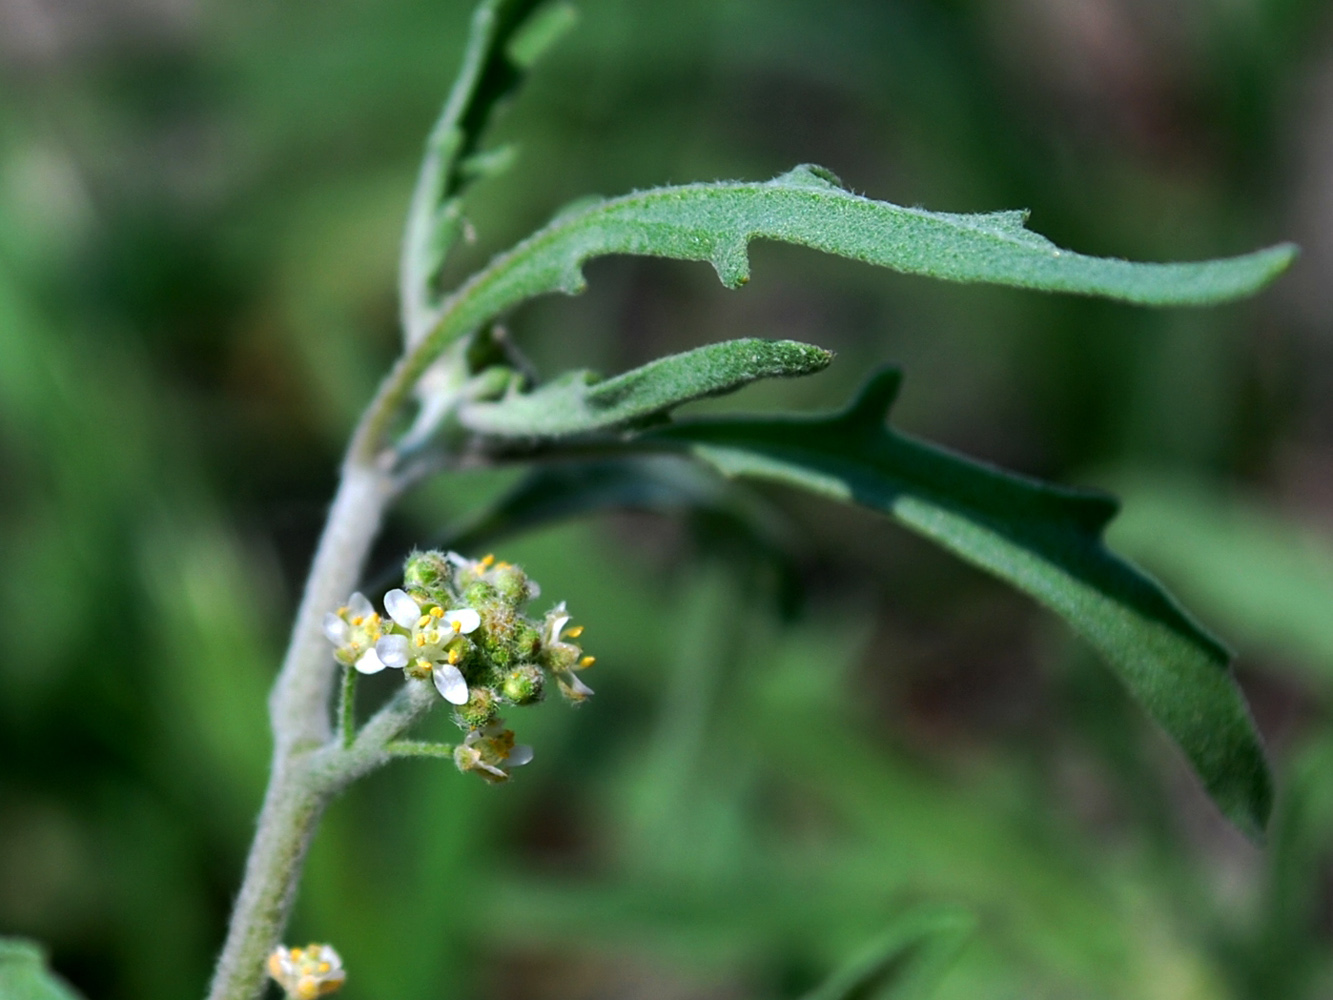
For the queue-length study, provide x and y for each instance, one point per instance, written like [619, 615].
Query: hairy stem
[299, 710]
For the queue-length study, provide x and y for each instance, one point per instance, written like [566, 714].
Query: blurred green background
[200, 205]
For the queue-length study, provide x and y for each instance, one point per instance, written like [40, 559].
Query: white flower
[354, 629]
[432, 643]
[307, 973]
[489, 750]
[562, 657]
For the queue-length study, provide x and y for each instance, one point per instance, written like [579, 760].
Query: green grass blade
[1044, 540]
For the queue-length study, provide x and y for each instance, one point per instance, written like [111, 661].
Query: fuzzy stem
[299, 710]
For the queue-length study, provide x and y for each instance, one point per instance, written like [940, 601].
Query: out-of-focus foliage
[200, 209]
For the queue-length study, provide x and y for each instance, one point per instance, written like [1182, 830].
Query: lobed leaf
[579, 402]
[506, 38]
[716, 222]
[1045, 540]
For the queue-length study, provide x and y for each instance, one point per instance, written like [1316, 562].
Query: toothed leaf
[578, 402]
[1045, 540]
[716, 222]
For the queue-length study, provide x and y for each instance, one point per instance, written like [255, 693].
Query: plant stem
[299, 711]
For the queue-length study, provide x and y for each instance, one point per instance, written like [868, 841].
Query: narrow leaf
[24, 975]
[506, 38]
[578, 402]
[716, 222]
[1045, 540]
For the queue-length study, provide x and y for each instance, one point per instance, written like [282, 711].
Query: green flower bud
[524, 684]
[479, 710]
[428, 574]
[511, 583]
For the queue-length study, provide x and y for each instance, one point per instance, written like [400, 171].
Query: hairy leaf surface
[1045, 540]
[716, 222]
[506, 38]
[578, 402]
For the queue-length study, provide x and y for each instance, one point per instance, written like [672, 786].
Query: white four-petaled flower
[354, 629]
[307, 973]
[562, 657]
[433, 642]
[489, 750]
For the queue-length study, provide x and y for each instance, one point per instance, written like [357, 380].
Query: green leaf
[578, 402]
[506, 38]
[716, 222]
[24, 975]
[907, 961]
[1045, 540]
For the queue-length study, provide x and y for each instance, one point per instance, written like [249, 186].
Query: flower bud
[524, 685]
[480, 709]
[429, 574]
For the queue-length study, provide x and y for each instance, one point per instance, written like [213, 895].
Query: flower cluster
[307, 973]
[460, 623]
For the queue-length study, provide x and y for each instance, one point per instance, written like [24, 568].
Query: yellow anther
[357, 620]
[323, 967]
[454, 656]
[374, 618]
[458, 626]
[587, 661]
[437, 612]
[502, 565]
[423, 621]
[296, 954]
[421, 638]
[575, 632]
[486, 560]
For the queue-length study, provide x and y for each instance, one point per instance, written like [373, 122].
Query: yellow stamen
[587, 661]
[357, 620]
[296, 954]
[454, 657]
[502, 565]
[437, 612]
[421, 638]
[423, 621]
[323, 967]
[458, 626]
[486, 560]
[575, 632]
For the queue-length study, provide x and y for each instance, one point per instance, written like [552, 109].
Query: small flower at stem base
[307, 973]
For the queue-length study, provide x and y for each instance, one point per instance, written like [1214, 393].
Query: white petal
[393, 650]
[467, 619]
[335, 629]
[534, 590]
[359, 607]
[577, 688]
[370, 663]
[520, 755]
[456, 559]
[402, 609]
[449, 682]
[556, 626]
